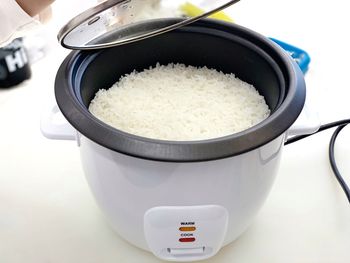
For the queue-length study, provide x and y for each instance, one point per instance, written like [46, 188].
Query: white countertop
[47, 212]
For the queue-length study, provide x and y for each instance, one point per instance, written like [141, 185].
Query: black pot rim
[185, 151]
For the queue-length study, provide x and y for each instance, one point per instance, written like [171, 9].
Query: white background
[47, 213]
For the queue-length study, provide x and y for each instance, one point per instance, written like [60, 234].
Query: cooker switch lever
[186, 251]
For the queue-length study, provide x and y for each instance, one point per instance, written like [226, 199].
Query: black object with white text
[14, 65]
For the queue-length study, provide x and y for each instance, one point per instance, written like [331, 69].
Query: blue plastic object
[300, 56]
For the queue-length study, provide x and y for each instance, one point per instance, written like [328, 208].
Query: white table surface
[47, 212]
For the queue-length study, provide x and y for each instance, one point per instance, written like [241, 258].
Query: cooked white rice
[178, 102]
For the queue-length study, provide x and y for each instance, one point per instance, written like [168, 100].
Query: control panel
[185, 233]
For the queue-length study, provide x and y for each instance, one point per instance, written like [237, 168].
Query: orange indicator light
[187, 228]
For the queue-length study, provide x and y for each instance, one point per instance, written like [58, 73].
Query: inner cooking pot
[226, 47]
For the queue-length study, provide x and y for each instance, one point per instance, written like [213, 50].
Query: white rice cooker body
[147, 202]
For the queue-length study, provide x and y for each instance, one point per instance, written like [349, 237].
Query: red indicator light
[187, 239]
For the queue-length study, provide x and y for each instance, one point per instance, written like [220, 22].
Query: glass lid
[116, 22]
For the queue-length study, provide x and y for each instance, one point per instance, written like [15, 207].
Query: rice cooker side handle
[308, 122]
[54, 126]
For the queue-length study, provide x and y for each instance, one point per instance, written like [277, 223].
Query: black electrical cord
[340, 124]
[333, 163]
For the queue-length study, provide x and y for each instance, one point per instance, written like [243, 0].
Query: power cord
[340, 124]
[333, 163]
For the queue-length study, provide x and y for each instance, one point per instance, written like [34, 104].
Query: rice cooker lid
[116, 22]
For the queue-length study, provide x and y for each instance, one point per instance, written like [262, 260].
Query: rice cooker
[181, 200]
